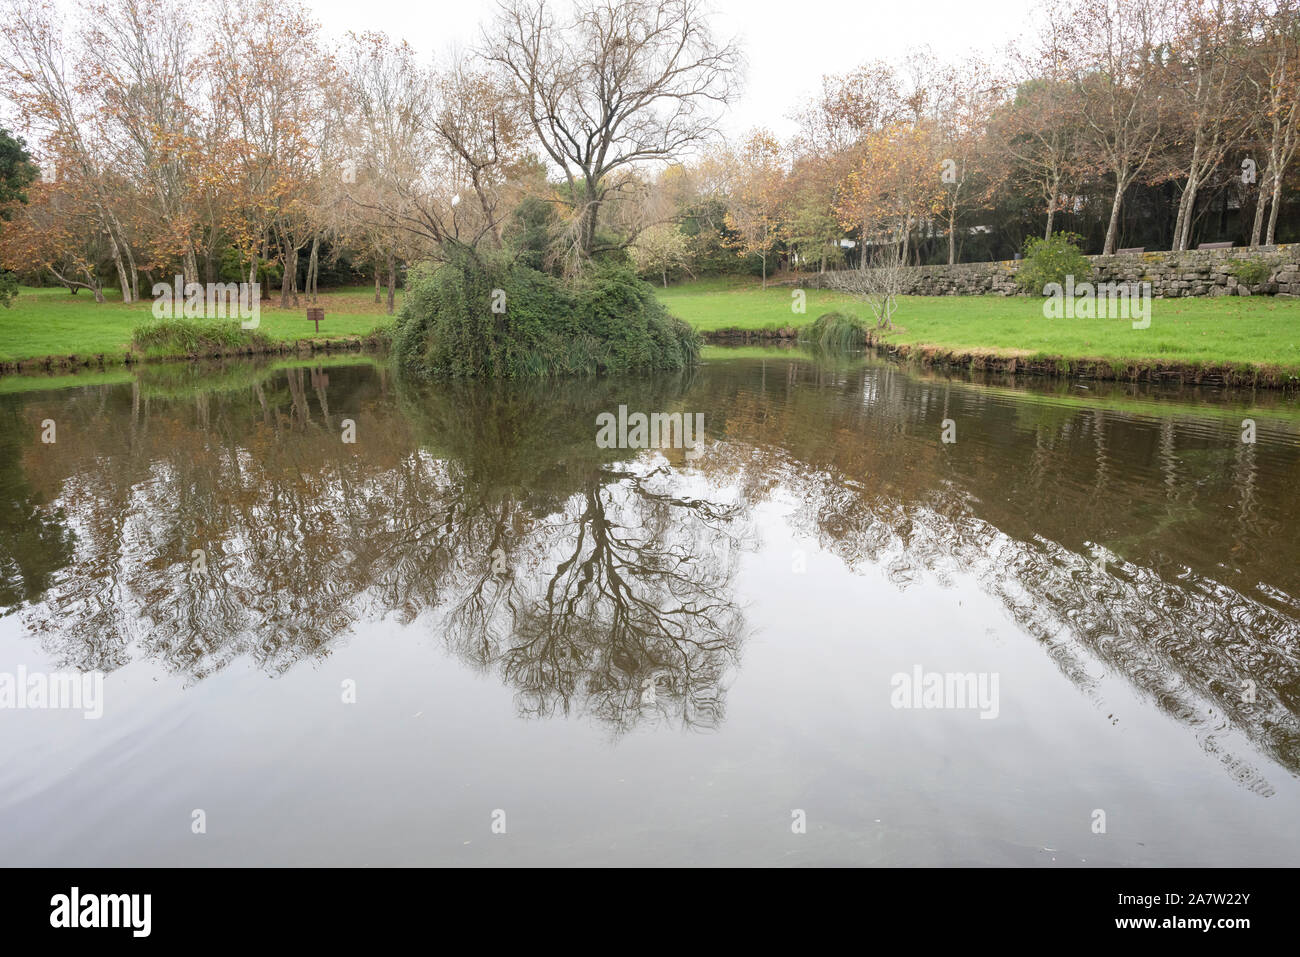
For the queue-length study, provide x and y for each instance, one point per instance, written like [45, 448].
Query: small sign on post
[315, 314]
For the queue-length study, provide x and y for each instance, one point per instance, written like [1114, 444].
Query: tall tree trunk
[392, 281]
[1186, 207]
[589, 213]
[952, 236]
[1186, 201]
[133, 273]
[285, 277]
[1261, 202]
[1176, 243]
[1273, 208]
[289, 287]
[120, 266]
[377, 300]
[313, 268]
[1112, 230]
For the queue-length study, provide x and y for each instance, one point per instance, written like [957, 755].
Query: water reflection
[197, 522]
[238, 523]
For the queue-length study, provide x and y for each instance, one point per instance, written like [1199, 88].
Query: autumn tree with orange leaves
[756, 196]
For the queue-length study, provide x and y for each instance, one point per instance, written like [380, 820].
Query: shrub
[529, 231]
[835, 330]
[194, 336]
[1251, 272]
[610, 321]
[1052, 260]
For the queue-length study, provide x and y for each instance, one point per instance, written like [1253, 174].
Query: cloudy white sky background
[789, 46]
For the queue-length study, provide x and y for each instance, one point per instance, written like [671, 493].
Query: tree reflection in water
[582, 576]
[587, 578]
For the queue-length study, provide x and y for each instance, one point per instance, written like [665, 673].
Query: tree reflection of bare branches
[589, 583]
[632, 619]
[602, 582]
[1197, 602]
[208, 526]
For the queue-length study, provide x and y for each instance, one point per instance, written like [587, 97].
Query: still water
[473, 636]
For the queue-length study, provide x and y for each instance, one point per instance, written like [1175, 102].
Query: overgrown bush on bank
[181, 336]
[835, 330]
[607, 322]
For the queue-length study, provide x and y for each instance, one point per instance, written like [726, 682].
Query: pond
[876, 616]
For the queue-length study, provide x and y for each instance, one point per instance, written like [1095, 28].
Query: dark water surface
[640, 657]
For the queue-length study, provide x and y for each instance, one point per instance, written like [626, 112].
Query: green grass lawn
[52, 322]
[729, 303]
[1245, 331]
[1257, 330]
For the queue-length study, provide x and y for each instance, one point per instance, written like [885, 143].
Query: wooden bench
[1214, 246]
[1132, 251]
[316, 314]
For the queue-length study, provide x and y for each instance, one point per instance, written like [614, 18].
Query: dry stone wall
[1199, 272]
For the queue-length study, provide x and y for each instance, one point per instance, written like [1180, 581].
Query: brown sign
[315, 314]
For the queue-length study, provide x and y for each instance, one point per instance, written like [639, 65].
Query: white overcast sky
[789, 45]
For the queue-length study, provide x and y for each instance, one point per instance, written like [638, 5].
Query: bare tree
[1274, 79]
[1204, 87]
[481, 132]
[431, 155]
[1119, 82]
[616, 83]
[879, 285]
[1040, 127]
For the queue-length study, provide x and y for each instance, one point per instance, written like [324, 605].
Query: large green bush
[610, 321]
[1051, 260]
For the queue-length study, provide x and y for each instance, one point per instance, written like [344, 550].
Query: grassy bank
[1234, 336]
[1244, 333]
[52, 322]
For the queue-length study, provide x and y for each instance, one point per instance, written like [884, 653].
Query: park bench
[1215, 246]
[315, 314]
[1132, 250]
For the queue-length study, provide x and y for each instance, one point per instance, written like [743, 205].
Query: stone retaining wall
[1199, 272]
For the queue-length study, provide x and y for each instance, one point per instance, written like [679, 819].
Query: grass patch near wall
[1247, 331]
[728, 303]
